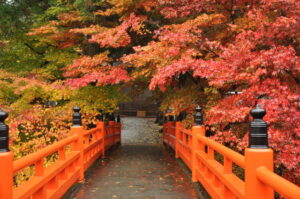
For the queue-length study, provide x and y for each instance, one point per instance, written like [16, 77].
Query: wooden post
[111, 123]
[165, 128]
[197, 129]
[119, 125]
[77, 128]
[100, 124]
[6, 160]
[257, 154]
[177, 134]
[171, 130]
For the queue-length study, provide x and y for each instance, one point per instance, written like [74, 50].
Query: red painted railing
[75, 155]
[199, 154]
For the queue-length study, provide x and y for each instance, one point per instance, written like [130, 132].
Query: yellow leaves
[46, 73]
[147, 72]
[60, 92]
[243, 23]
[118, 7]
[193, 25]
[4, 75]
[182, 99]
[148, 5]
[93, 29]
[123, 7]
[49, 28]
[73, 16]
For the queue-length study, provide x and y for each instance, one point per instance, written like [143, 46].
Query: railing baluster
[62, 154]
[39, 168]
[63, 175]
[177, 136]
[216, 181]
[227, 166]
[53, 184]
[207, 173]
[40, 194]
[227, 194]
[100, 124]
[39, 172]
[211, 153]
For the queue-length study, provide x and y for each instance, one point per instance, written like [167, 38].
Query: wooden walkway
[140, 168]
[137, 172]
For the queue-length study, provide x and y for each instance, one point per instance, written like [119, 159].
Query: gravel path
[140, 131]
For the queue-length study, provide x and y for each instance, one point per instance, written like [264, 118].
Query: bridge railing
[75, 154]
[202, 156]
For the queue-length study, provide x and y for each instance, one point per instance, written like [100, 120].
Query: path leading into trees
[139, 169]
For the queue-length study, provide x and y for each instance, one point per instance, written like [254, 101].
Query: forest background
[59, 53]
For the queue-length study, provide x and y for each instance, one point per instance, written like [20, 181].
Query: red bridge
[211, 164]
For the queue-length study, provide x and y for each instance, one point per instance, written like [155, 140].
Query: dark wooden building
[142, 105]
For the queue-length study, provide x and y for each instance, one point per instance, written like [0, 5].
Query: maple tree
[254, 49]
[248, 46]
[189, 52]
[36, 122]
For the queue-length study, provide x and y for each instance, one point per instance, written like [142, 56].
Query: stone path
[140, 131]
[138, 169]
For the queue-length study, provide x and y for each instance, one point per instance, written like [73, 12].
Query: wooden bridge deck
[137, 172]
[138, 169]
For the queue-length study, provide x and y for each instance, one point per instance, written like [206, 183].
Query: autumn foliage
[189, 52]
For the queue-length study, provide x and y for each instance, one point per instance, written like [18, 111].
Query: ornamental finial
[76, 116]
[258, 136]
[4, 138]
[198, 116]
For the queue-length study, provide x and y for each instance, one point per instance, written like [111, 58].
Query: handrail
[228, 153]
[186, 131]
[86, 146]
[218, 178]
[91, 131]
[183, 144]
[279, 184]
[34, 157]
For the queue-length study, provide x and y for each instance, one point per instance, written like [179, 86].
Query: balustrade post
[258, 154]
[119, 125]
[166, 124]
[177, 134]
[77, 128]
[171, 130]
[6, 160]
[111, 123]
[101, 125]
[197, 129]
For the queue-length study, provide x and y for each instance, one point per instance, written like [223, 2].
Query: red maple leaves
[248, 45]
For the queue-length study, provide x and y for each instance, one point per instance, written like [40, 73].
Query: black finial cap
[111, 117]
[258, 135]
[118, 119]
[165, 119]
[179, 117]
[77, 116]
[198, 116]
[171, 118]
[4, 138]
[258, 112]
[100, 115]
